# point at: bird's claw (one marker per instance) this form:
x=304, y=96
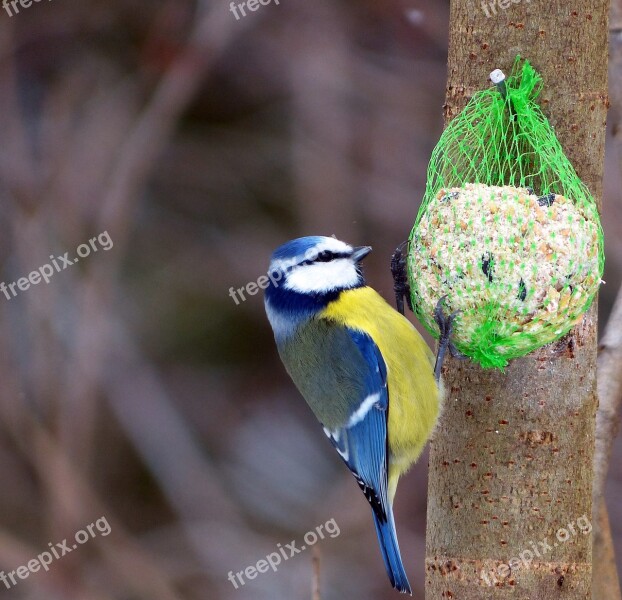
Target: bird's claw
x=445, y=326
x=400, y=279
x=455, y=353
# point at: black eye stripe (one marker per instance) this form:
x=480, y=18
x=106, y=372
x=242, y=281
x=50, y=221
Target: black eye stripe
x=325, y=256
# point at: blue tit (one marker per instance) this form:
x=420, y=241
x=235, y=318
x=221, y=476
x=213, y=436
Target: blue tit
x=366, y=373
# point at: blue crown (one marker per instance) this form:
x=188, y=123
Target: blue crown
x=297, y=247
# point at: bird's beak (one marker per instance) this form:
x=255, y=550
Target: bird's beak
x=360, y=252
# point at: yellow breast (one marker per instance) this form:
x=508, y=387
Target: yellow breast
x=413, y=391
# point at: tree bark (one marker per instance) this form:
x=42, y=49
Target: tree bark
x=606, y=582
x=605, y=574
x=510, y=489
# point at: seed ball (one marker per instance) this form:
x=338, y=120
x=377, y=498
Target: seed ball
x=520, y=268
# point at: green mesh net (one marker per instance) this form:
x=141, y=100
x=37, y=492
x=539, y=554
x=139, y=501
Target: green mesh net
x=506, y=230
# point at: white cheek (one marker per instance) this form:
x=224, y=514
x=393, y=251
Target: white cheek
x=323, y=277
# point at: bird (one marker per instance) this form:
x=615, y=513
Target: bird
x=364, y=370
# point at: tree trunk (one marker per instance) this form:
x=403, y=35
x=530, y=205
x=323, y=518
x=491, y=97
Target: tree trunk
x=511, y=462
x=606, y=583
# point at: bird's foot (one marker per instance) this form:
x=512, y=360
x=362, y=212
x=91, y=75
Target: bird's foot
x=445, y=325
x=400, y=278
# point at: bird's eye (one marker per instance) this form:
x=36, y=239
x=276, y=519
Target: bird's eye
x=325, y=256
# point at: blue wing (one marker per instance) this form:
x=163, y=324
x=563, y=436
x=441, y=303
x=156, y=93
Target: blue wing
x=362, y=441
x=343, y=377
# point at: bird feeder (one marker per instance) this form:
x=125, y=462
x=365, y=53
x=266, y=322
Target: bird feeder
x=507, y=232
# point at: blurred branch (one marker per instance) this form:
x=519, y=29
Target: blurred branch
x=315, y=594
x=609, y=381
x=165, y=442
x=609, y=395
x=606, y=583
x=214, y=31
x=17, y=166
x=606, y=580
x=80, y=502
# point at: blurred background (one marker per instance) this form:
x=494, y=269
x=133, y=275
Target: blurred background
x=132, y=385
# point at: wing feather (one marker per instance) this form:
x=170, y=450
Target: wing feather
x=343, y=377
x=362, y=441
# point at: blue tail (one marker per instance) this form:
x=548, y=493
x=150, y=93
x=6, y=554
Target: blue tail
x=387, y=537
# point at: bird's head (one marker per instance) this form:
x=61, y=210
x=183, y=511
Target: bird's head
x=318, y=265
x=307, y=273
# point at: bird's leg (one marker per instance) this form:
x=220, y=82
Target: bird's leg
x=400, y=278
x=445, y=324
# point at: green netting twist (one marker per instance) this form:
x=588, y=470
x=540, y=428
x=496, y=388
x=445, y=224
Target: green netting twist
x=506, y=230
